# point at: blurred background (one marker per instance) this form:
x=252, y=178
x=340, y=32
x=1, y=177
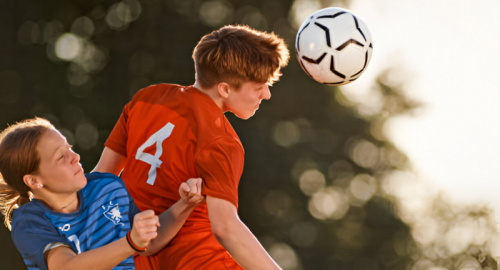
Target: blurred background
x=394, y=171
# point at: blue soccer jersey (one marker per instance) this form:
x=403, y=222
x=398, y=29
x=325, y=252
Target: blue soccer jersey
x=105, y=215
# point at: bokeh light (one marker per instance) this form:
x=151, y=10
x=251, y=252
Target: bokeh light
x=330, y=203
x=83, y=27
x=467, y=262
x=121, y=14
x=86, y=135
x=440, y=227
x=86, y=59
x=286, y=133
x=426, y=230
x=54, y=119
x=70, y=137
x=342, y=194
x=362, y=187
x=311, y=181
x=76, y=75
x=300, y=166
x=365, y=154
x=68, y=46
x=52, y=30
x=306, y=130
x=284, y=256
x=367, y=103
x=252, y=17
x=301, y=9
x=425, y=264
x=393, y=157
x=216, y=13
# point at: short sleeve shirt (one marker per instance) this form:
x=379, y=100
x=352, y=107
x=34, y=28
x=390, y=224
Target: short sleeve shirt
x=170, y=133
x=105, y=215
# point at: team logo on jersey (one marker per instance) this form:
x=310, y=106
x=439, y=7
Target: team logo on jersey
x=113, y=213
x=65, y=228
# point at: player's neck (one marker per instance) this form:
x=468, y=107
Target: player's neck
x=62, y=203
x=212, y=93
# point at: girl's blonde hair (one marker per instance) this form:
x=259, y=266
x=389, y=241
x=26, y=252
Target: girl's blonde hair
x=18, y=157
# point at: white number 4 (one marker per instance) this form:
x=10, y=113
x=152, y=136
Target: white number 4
x=154, y=161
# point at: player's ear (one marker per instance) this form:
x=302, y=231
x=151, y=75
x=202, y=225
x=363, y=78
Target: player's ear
x=223, y=89
x=32, y=182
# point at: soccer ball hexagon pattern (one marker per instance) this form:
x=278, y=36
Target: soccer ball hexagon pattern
x=333, y=46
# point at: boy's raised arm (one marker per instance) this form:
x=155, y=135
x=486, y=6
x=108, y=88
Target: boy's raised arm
x=235, y=237
x=110, y=162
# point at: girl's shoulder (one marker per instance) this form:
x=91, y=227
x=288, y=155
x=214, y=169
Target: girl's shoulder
x=99, y=184
x=93, y=176
x=102, y=180
x=33, y=211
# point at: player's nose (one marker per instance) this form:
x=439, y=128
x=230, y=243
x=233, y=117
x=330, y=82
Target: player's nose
x=266, y=93
x=76, y=158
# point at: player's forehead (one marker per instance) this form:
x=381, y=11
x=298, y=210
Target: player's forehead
x=253, y=85
x=50, y=142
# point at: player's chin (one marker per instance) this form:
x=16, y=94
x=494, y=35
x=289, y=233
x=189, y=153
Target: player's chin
x=81, y=180
x=245, y=115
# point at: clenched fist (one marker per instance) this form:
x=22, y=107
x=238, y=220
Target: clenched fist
x=190, y=191
x=145, y=228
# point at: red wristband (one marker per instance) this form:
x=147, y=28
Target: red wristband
x=131, y=243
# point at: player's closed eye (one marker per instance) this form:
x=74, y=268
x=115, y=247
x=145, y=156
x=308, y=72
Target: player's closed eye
x=69, y=148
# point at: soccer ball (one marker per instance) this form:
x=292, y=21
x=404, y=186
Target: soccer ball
x=333, y=46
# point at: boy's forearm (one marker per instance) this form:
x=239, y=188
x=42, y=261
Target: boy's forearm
x=235, y=237
x=244, y=247
x=171, y=222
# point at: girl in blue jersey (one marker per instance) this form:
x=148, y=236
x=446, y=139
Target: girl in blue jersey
x=64, y=219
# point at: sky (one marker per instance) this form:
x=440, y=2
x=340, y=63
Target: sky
x=449, y=53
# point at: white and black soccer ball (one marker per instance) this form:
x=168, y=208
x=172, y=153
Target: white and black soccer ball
x=333, y=46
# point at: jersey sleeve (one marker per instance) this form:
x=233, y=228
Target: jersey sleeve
x=31, y=234
x=220, y=164
x=117, y=140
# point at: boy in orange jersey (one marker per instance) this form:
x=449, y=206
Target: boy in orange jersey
x=169, y=133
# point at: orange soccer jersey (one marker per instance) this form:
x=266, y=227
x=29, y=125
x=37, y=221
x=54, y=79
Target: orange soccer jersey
x=170, y=133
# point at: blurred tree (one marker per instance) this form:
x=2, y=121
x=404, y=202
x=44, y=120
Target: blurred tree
x=316, y=161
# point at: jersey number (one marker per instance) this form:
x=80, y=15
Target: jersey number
x=154, y=161
x=76, y=241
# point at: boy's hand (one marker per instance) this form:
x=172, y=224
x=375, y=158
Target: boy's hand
x=190, y=191
x=144, y=229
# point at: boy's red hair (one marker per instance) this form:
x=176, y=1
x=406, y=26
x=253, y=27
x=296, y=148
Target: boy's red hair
x=237, y=54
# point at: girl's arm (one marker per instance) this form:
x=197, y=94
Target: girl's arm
x=172, y=220
x=110, y=255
